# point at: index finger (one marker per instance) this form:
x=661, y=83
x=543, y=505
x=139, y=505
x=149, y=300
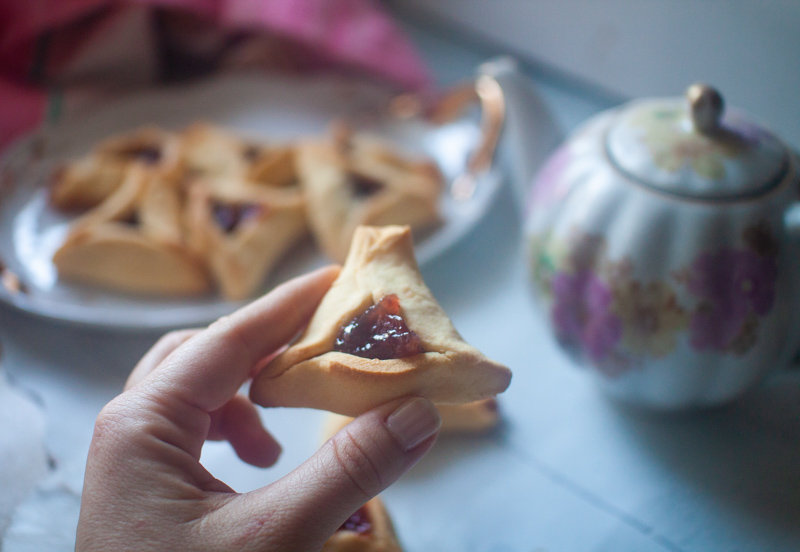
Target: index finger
x=208, y=369
x=157, y=353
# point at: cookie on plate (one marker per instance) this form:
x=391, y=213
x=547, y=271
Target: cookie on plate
x=272, y=166
x=133, y=242
x=369, y=529
x=89, y=180
x=472, y=418
x=241, y=230
x=207, y=151
x=352, y=180
x=378, y=334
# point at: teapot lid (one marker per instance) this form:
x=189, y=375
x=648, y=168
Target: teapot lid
x=687, y=148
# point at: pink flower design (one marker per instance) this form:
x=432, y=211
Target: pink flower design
x=732, y=284
x=582, y=316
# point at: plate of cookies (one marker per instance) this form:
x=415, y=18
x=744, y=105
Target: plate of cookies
x=173, y=207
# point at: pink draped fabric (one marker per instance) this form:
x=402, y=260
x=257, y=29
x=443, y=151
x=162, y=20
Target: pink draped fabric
x=42, y=40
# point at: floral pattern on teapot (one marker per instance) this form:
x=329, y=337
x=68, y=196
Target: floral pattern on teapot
x=735, y=287
x=600, y=311
x=671, y=149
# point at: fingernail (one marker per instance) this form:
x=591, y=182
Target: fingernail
x=414, y=421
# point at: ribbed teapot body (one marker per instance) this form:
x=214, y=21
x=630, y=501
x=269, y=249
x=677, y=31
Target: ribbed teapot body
x=669, y=301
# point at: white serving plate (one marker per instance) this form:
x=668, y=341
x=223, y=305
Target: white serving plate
x=273, y=108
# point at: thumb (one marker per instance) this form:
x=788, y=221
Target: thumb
x=356, y=464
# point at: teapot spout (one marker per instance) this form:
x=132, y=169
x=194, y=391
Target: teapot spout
x=530, y=132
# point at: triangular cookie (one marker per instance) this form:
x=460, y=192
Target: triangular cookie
x=472, y=418
x=441, y=366
x=133, y=242
x=475, y=418
x=208, y=151
x=86, y=182
x=351, y=180
x=369, y=529
x=273, y=166
x=242, y=230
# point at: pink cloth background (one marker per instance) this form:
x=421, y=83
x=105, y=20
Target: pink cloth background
x=42, y=42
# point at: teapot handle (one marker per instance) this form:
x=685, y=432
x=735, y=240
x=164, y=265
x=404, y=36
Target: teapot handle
x=792, y=215
x=493, y=116
x=792, y=219
x=530, y=133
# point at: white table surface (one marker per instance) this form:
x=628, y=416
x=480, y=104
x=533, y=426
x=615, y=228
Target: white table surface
x=568, y=471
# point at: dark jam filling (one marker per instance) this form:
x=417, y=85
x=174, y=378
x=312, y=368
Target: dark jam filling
x=358, y=522
x=251, y=153
x=379, y=333
x=131, y=219
x=229, y=216
x=149, y=155
x=363, y=186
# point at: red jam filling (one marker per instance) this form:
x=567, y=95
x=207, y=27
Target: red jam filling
x=364, y=186
x=251, y=153
x=379, y=333
x=131, y=219
x=230, y=215
x=358, y=522
x=149, y=155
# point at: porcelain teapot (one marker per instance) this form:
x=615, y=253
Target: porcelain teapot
x=664, y=249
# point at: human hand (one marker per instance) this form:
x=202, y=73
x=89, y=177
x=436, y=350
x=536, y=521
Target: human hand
x=145, y=488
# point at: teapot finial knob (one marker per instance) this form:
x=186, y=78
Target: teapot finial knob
x=706, y=106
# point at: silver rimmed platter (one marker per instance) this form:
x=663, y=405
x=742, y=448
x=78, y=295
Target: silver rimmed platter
x=263, y=107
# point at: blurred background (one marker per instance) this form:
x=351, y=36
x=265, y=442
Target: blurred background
x=644, y=48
